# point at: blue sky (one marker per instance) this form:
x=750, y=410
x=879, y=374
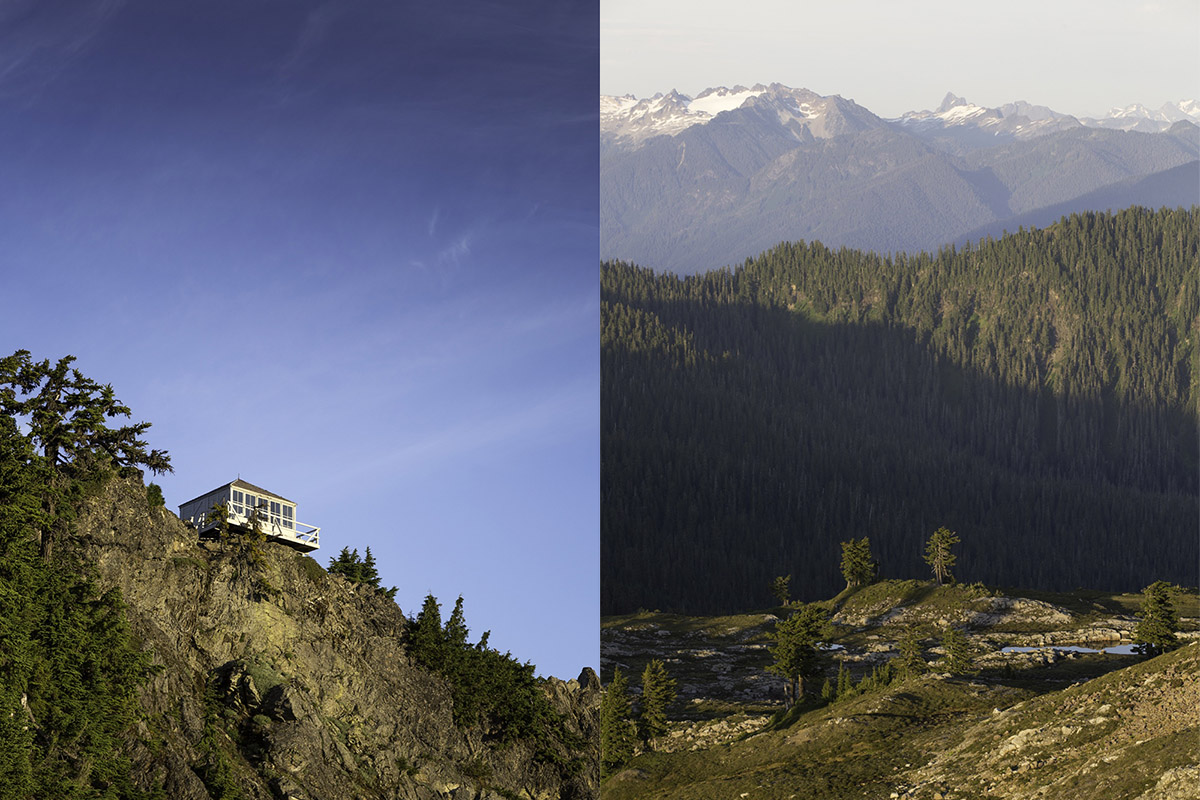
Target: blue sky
x=345, y=250
x=1080, y=57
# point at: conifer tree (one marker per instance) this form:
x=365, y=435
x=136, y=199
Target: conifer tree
x=658, y=692
x=425, y=635
x=858, y=567
x=1158, y=621
x=67, y=418
x=369, y=574
x=618, y=733
x=780, y=589
x=795, y=652
x=455, y=633
x=910, y=662
x=958, y=653
x=938, y=555
x=845, y=688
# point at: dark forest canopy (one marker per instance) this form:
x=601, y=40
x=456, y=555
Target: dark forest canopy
x=1037, y=394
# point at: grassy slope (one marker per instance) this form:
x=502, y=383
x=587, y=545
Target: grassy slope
x=1002, y=734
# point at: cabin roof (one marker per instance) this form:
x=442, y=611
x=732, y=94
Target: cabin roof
x=241, y=484
x=250, y=487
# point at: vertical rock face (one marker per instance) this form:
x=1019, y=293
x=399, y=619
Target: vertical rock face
x=281, y=681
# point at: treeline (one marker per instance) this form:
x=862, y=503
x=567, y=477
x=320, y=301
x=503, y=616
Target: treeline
x=1037, y=393
x=69, y=665
x=492, y=690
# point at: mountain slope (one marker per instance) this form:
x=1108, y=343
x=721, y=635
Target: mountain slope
x=1037, y=394
x=279, y=680
x=1044, y=723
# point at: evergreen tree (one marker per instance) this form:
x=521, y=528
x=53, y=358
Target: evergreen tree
x=938, y=555
x=1158, y=621
x=425, y=637
x=845, y=687
x=958, y=653
x=795, y=651
x=780, y=589
x=349, y=565
x=455, y=633
x=910, y=662
x=658, y=692
x=858, y=567
x=69, y=664
x=618, y=733
x=67, y=417
x=369, y=574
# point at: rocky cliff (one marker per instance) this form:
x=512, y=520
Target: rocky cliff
x=278, y=680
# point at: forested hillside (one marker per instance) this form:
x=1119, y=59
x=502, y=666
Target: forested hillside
x=1037, y=394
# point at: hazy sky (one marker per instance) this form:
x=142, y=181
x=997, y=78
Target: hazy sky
x=1079, y=57
x=345, y=250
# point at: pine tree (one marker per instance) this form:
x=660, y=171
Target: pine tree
x=369, y=574
x=845, y=688
x=910, y=662
x=359, y=570
x=780, y=589
x=425, y=637
x=958, y=653
x=455, y=633
x=858, y=567
x=1155, y=631
x=658, y=692
x=67, y=418
x=795, y=652
x=618, y=733
x=938, y=555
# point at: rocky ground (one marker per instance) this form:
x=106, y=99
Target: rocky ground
x=277, y=680
x=1045, y=723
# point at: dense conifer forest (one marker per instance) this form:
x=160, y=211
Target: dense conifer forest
x=1037, y=394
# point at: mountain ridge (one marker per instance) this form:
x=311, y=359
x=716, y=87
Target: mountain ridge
x=669, y=113
x=691, y=191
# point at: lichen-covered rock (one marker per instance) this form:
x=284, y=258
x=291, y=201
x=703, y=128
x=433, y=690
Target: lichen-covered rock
x=295, y=682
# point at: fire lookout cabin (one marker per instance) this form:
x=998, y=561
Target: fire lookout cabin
x=276, y=515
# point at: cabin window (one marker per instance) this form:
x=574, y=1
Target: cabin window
x=238, y=499
x=288, y=511
x=275, y=518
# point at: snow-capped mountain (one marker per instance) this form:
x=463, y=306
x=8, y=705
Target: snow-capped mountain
x=692, y=183
x=628, y=121
x=956, y=117
x=1138, y=117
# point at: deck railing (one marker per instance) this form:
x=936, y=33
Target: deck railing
x=308, y=536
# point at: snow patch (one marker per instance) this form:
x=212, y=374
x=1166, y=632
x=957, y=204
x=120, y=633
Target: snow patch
x=714, y=101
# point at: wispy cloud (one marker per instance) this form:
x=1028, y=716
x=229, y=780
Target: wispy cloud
x=315, y=30
x=457, y=250
x=36, y=46
x=433, y=220
x=522, y=425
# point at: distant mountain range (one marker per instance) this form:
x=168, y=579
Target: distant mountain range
x=694, y=183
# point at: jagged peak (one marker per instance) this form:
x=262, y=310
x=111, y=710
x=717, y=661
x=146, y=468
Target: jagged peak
x=950, y=101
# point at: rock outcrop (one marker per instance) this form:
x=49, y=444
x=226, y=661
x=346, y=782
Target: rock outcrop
x=279, y=680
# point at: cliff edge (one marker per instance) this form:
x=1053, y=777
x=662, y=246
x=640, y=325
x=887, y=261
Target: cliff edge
x=278, y=680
